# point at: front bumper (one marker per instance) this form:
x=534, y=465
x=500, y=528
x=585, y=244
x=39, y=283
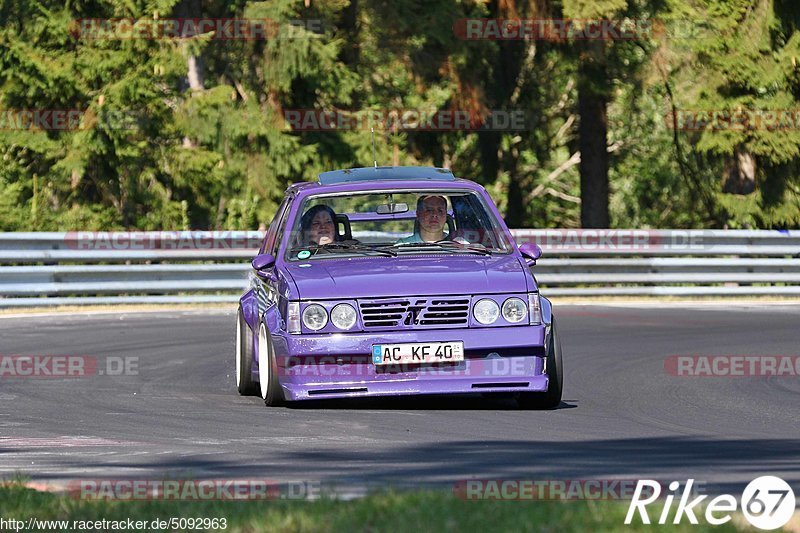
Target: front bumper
x=509, y=359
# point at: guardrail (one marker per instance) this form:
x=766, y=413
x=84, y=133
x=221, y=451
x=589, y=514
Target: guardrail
x=183, y=267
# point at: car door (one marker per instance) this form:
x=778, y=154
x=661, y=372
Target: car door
x=266, y=287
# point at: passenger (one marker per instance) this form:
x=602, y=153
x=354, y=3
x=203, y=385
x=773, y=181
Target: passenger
x=430, y=222
x=318, y=226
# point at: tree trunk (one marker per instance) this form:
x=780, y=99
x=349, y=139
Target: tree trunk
x=740, y=174
x=195, y=72
x=194, y=65
x=593, y=132
x=515, y=210
x=489, y=146
x=187, y=9
x=351, y=53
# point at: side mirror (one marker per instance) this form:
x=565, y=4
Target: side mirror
x=261, y=262
x=531, y=252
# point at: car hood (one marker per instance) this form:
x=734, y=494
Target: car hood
x=375, y=277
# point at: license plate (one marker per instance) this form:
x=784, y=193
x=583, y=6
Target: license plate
x=417, y=352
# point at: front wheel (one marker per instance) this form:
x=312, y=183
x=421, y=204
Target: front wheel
x=244, y=357
x=271, y=391
x=551, y=398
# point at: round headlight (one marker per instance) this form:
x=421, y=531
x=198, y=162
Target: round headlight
x=514, y=310
x=343, y=316
x=315, y=317
x=486, y=311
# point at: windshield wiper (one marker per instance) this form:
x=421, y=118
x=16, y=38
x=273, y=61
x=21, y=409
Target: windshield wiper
x=467, y=246
x=447, y=245
x=334, y=247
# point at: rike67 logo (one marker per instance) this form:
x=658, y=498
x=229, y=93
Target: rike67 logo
x=767, y=502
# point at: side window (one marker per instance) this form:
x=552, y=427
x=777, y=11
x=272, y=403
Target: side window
x=269, y=239
x=281, y=224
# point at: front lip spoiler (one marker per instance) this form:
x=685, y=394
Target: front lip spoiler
x=463, y=385
x=512, y=374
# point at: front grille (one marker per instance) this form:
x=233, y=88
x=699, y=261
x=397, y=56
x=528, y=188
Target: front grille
x=414, y=312
x=385, y=313
x=446, y=312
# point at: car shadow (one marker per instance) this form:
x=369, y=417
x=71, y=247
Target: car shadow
x=455, y=402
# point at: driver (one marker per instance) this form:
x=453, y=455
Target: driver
x=318, y=226
x=431, y=218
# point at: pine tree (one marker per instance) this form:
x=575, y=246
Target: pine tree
x=741, y=82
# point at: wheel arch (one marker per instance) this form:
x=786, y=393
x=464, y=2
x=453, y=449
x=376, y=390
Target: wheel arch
x=249, y=305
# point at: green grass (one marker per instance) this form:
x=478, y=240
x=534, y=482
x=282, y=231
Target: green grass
x=416, y=511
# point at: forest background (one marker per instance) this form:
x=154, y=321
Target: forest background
x=690, y=120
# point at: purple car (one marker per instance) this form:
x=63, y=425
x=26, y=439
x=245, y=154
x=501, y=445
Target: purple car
x=394, y=281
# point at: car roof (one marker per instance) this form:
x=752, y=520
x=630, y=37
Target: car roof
x=385, y=173
x=391, y=177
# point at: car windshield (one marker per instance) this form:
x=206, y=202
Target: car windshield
x=394, y=223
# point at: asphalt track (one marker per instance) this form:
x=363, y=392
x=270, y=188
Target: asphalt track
x=623, y=415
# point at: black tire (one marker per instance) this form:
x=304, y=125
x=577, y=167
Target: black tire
x=244, y=358
x=271, y=391
x=551, y=398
